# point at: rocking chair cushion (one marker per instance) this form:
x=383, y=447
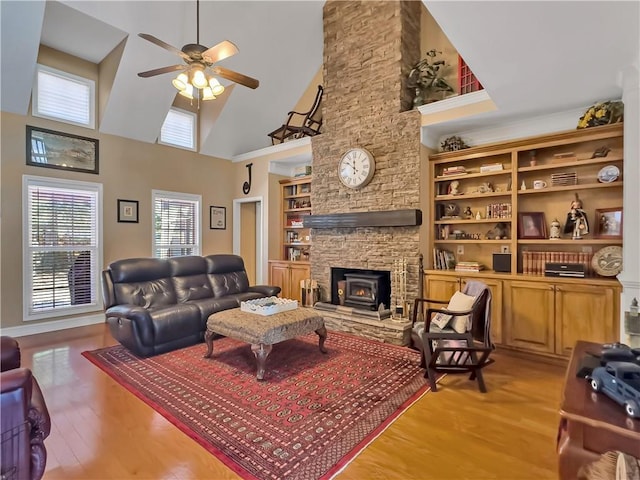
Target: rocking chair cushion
x=459, y=302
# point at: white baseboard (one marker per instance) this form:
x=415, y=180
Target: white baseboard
x=53, y=326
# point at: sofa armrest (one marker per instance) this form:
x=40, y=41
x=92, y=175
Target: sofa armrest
x=266, y=290
x=137, y=315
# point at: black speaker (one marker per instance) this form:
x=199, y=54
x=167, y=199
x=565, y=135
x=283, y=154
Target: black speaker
x=502, y=262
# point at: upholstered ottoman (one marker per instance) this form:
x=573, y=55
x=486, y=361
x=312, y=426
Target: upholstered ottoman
x=262, y=332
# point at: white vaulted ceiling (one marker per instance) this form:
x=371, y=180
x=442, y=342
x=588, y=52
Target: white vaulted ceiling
x=533, y=58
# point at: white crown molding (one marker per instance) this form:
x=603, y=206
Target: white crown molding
x=274, y=150
x=54, y=326
x=451, y=103
x=510, y=130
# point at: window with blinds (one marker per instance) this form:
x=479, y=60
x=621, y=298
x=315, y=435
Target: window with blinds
x=176, y=224
x=179, y=129
x=64, y=97
x=62, y=257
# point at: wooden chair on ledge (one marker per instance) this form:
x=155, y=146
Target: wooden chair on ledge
x=300, y=124
x=456, y=339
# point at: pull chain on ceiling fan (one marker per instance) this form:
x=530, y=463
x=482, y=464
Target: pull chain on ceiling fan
x=198, y=75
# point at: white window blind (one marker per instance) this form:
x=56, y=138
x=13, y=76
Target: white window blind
x=179, y=129
x=62, y=248
x=176, y=224
x=64, y=97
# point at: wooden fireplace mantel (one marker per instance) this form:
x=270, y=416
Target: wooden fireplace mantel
x=387, y=218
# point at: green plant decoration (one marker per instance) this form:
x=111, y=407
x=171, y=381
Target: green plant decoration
x=426, y=78
x=602, y=114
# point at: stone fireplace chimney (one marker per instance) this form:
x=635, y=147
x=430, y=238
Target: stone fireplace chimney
x=369, y=48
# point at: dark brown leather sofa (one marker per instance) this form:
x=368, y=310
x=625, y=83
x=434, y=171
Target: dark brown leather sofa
x=156, y=305
x=24, y=417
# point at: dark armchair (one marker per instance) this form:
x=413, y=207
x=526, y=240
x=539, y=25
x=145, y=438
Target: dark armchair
x=25, y=421
x=300, y=124
x=456, y=339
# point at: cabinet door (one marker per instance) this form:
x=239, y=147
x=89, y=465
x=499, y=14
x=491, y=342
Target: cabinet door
x=441, y=287
x=279, y=276
x=496, y=306
x=585, y=312
x=529, y=316
x=297, y=274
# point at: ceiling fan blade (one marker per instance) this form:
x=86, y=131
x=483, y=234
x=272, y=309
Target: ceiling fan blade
x=219, y=52
x=235, y=77
x=160, y=71
x=164, y=45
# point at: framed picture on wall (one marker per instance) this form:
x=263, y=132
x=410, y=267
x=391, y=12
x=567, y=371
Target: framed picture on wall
x=127, y=211
x=50, y=149
x=217, y=218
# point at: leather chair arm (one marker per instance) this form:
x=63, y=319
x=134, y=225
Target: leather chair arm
x=16, y=379
x=267, y=290
x=9, y=353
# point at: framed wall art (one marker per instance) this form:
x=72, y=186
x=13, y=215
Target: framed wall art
x=217, y=218
x=609, y=223
x=127, y=211
x=50, y=149
x=531, y=225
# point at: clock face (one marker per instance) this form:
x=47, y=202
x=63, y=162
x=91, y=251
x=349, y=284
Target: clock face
x=356, y=168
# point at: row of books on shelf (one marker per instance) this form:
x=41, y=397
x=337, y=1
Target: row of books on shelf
x=443, y=259
x=533, y=263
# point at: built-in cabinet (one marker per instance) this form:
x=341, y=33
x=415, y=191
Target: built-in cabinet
x=482, y=199
x=295, y=240
x=443, y=287
x=287, y=275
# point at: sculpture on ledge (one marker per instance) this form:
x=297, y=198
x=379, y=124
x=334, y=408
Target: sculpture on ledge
x=577, y=223
x=426, y=77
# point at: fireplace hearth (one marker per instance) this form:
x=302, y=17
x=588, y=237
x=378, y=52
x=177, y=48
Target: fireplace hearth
x=363, y=289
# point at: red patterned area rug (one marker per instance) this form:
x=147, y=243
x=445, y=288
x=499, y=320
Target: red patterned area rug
x=309, y=418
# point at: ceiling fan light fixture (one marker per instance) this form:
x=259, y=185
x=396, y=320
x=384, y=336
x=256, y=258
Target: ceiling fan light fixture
x=216, y=87
x=180, y=82
x=199, y=80
x=187, y=92
x=207, y=94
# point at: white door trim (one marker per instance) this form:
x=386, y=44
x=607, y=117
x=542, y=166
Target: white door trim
x=261, y=236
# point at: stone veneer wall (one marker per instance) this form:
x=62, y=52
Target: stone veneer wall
x=369, y=48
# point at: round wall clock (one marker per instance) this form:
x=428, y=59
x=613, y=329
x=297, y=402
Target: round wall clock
x=356, y=168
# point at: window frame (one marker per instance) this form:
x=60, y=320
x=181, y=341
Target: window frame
x=188, y=197
x=35, y=112
x=194, y=129
x=27, y=272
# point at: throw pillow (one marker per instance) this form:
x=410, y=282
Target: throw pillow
x=459, y=302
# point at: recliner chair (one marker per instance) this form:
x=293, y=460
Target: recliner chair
x=25, y=421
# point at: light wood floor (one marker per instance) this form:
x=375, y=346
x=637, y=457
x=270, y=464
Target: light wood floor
x=101, y=431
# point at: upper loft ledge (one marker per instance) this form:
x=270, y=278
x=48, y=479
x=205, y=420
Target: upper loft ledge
x=388, y=218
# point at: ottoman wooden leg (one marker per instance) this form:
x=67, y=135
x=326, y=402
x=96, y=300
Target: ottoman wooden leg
x=261, y=351
x=322, y=336
x=208, y=338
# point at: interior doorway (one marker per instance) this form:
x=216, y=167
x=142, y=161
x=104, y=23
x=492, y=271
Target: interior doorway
x=248, y=237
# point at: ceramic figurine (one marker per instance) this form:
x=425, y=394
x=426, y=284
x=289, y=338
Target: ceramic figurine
x=554, y=231
x=478, y=216
x=577, y=223
x=523, y=186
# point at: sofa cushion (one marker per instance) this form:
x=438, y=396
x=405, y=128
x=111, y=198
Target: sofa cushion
x=150, y=294
x=227, y=274
x=207, y=306
x=175, y=321
x=190, y=279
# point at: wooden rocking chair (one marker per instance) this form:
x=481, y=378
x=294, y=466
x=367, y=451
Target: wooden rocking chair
x=295, y=128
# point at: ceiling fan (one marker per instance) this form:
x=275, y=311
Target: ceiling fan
x=199, y=61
